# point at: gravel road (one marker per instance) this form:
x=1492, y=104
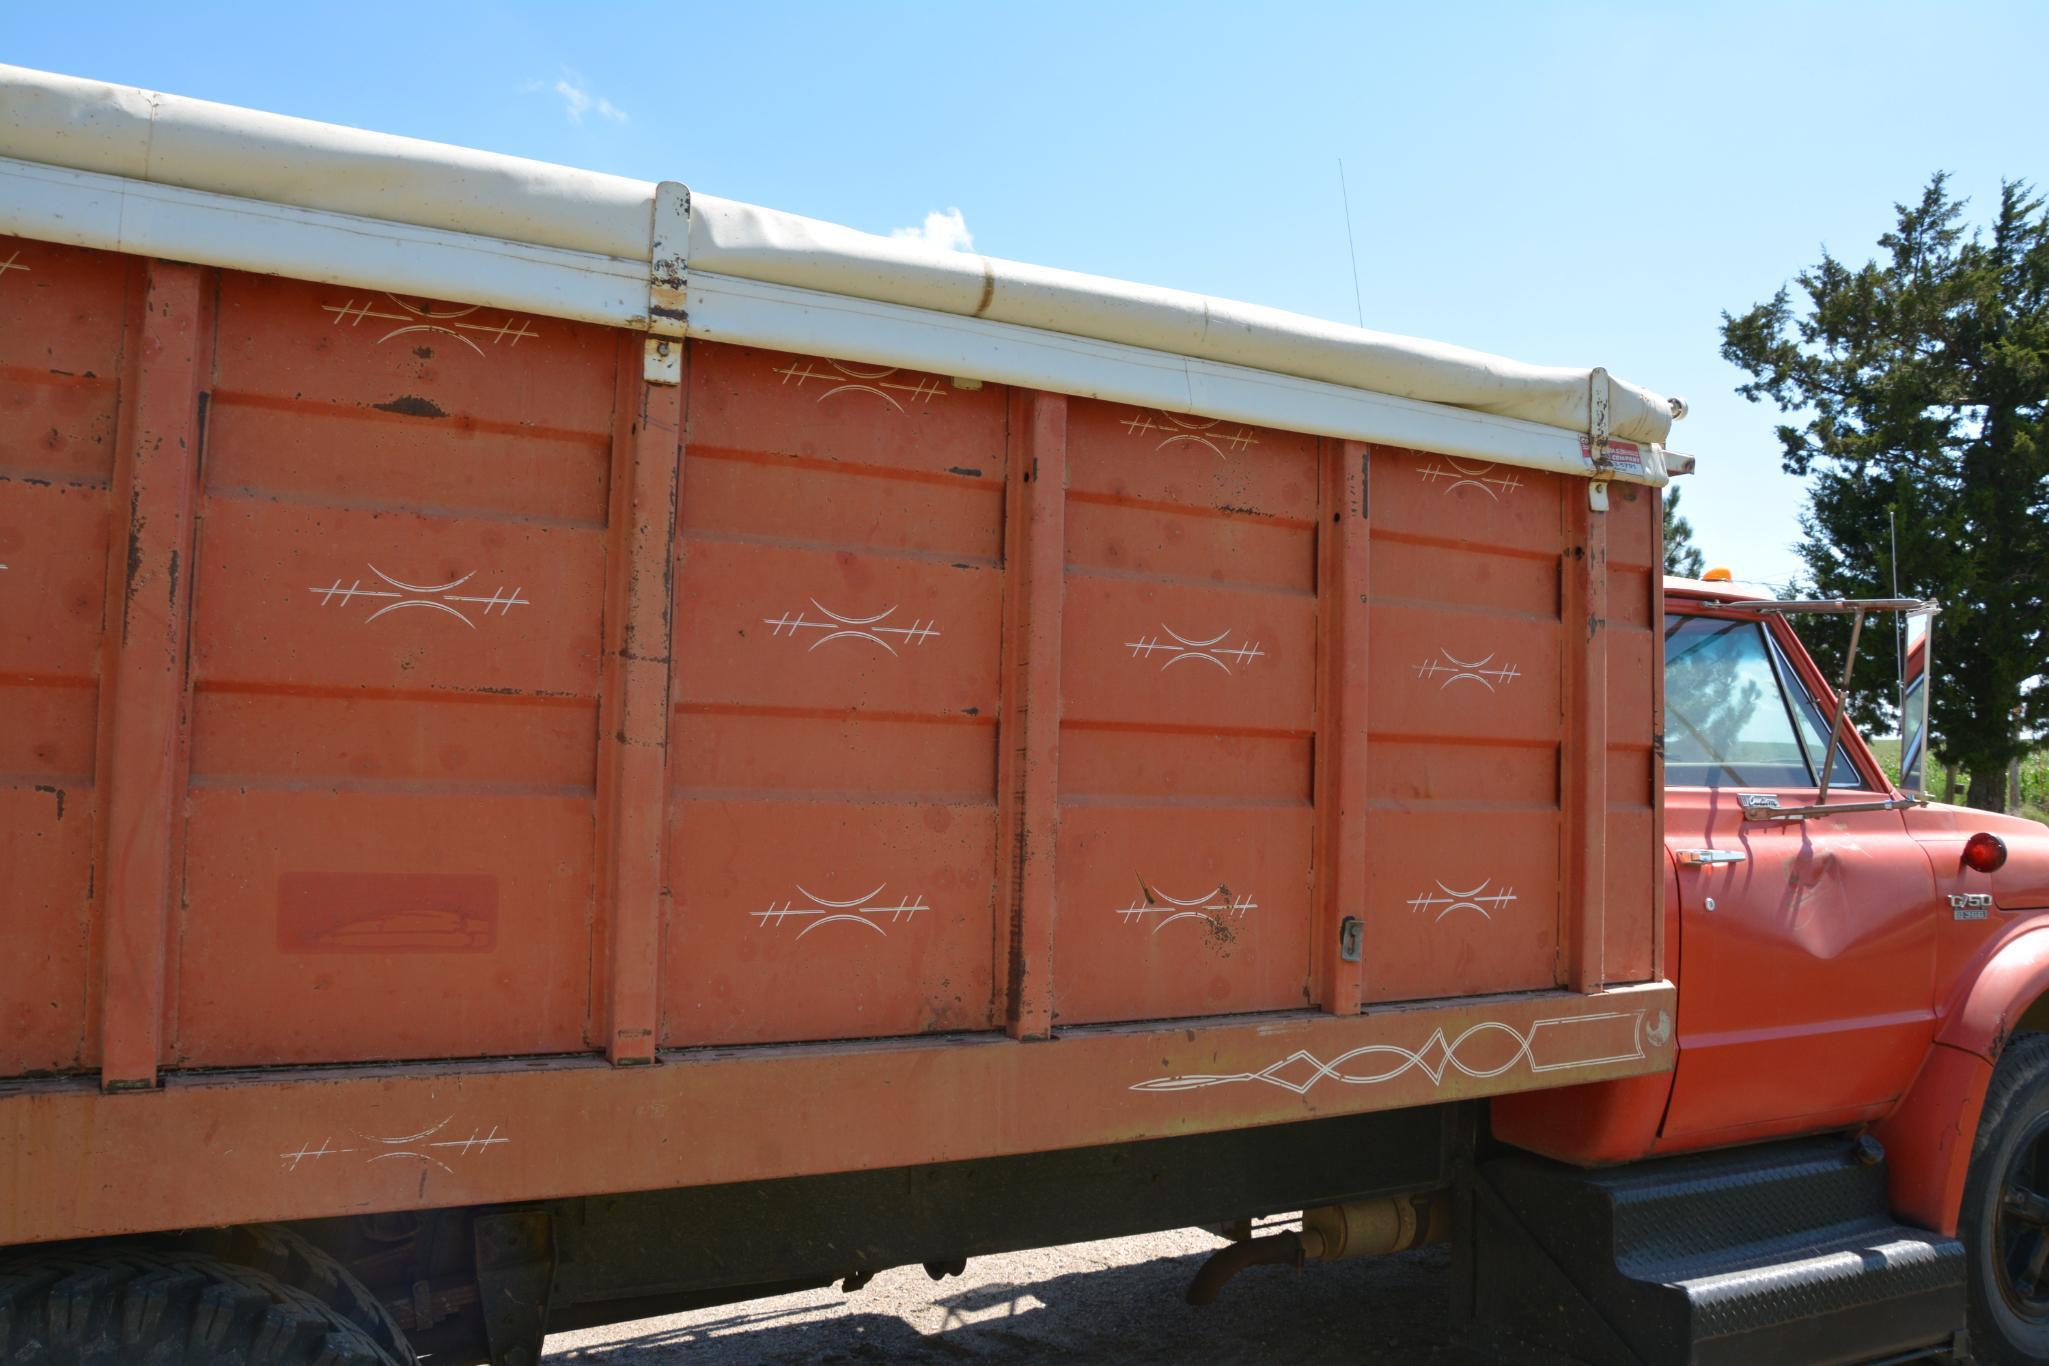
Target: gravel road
x=1113, y=1301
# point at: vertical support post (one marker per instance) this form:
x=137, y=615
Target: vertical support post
x=1028, y=726
x=1584, y=759
x=633, y=709
x=1656, y=796
x=1343, y=591
x=143, y=695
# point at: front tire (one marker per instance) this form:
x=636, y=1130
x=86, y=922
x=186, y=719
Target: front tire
x=2005, y=1218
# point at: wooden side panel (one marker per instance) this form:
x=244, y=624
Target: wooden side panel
x=833, y=855
x=400, y=589
x=1505, y=853
x=62, y=312
x=469, y=717
x=1463, y=841
x=1185, y=869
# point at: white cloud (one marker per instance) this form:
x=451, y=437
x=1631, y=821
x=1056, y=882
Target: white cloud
x=948, y=231
x=577, y=100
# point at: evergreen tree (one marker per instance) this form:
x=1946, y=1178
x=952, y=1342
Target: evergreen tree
x=1682, y=556
x=1920, y=381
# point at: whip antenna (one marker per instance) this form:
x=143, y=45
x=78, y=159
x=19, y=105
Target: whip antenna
x=1351, y=242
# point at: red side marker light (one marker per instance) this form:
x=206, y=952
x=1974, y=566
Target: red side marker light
x=1985, y=852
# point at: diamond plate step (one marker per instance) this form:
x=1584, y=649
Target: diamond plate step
x=1783, y=1252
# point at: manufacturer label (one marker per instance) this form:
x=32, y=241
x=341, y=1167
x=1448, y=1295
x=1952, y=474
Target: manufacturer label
x=1624, y=457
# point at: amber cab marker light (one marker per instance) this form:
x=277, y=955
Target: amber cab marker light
x=1985, y=852
x=1717, y=575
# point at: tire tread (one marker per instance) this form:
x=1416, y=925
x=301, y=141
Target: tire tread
x=2021, y=1078
x=132, y=1303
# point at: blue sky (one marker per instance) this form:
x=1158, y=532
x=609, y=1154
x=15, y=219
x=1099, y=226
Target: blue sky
x=1579, y=184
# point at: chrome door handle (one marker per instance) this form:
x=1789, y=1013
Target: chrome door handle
x=1701, y=858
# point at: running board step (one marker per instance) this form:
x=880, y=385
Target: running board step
x=1779, y=1253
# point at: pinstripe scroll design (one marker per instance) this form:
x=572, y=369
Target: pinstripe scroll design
x=1437, y=1058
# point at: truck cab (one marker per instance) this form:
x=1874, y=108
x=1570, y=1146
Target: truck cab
x=1819, y=955
x=1807, y=947
x=1852, y=959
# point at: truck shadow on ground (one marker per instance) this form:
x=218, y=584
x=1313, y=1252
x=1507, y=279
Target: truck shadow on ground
x=1384, y=1310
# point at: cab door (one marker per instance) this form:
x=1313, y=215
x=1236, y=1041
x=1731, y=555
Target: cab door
x=1807, y=947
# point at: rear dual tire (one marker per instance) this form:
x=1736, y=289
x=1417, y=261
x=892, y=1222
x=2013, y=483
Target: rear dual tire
x=140, y=1306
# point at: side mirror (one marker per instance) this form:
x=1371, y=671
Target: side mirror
x=1916, y=658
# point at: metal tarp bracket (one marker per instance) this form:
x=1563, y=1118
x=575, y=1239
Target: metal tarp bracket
x=668, y=270
x=1599, y=456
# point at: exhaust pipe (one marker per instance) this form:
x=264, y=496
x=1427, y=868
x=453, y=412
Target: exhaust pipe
x=1282, y=1249
x=1332, y=1233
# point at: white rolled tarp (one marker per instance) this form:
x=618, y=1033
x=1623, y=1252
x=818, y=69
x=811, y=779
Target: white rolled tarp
x=220, y=149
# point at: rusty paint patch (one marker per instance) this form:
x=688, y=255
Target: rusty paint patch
x=411, y=405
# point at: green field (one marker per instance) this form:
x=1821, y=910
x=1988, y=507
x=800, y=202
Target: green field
x=2034, y=793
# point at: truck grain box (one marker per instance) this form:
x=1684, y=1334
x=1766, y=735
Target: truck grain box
x=571, y=749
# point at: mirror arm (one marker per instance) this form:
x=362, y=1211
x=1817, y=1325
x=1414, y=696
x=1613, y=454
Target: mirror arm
x=1835, y=729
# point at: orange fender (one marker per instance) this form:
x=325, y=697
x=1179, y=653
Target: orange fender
x=1929, y=1134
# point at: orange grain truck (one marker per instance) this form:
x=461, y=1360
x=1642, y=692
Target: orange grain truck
x=571, y=749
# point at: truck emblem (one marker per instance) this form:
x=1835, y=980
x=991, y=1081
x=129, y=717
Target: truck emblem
x=1302, y=1070
x=423, y=1147
x=1969, y=905
x=1456, y=670
x=425, y=317
x=436, y=596
x=838, y=627
x=1471, y=474
x=1215, y=906
x=863, y=379
x=1205, y=432
x=1180, y=649
x=1478, y=899
x=824, y=911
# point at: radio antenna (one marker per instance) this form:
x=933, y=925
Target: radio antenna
x=1351, y=243
x=1892, y=521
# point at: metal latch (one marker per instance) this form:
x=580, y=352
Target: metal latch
x=1701, y=858
x=1969, y=905
x=1351, y=931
